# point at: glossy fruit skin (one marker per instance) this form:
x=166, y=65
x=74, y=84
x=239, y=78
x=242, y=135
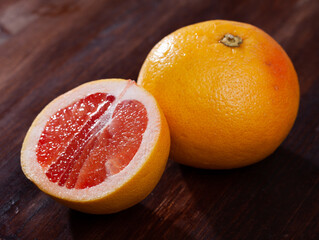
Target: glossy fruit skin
x=226, y=107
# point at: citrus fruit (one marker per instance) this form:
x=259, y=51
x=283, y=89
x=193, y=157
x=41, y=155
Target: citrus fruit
x=99, y=148
x=229, y=92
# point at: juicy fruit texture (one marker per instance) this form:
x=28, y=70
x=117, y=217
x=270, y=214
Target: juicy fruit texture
x=226, y=106
x=99, y=148
x=78, y=149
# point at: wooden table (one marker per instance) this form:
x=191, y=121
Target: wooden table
x=49, y=47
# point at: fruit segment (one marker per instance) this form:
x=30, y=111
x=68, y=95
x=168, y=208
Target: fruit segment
x=86, y=142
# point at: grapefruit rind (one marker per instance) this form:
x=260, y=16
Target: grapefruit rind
x=246, y=98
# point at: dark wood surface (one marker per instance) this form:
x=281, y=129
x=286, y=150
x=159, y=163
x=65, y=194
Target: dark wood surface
x=48, y=47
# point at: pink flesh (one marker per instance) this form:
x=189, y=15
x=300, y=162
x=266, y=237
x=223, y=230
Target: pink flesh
x=80, y=146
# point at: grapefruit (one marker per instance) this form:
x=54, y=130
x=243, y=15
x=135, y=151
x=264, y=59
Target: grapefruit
x=99, y=148
x=229, y=92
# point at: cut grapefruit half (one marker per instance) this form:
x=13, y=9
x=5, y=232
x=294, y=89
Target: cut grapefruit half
x=99, y=148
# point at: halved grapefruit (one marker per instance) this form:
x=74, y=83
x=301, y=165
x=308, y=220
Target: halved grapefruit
x=99, y=148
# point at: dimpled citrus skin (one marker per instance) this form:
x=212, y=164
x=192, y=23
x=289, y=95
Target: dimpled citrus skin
x=226, y=107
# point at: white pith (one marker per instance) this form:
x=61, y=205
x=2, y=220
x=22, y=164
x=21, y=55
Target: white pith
x=34, y=171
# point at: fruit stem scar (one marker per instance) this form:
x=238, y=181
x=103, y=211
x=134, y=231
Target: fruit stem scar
x=230, y=40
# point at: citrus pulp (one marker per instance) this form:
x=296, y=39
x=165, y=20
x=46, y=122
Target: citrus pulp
x=100, y=148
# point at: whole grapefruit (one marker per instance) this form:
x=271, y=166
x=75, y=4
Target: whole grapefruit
x=228, y=90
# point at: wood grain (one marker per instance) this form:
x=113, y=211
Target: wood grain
x=49, y=47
